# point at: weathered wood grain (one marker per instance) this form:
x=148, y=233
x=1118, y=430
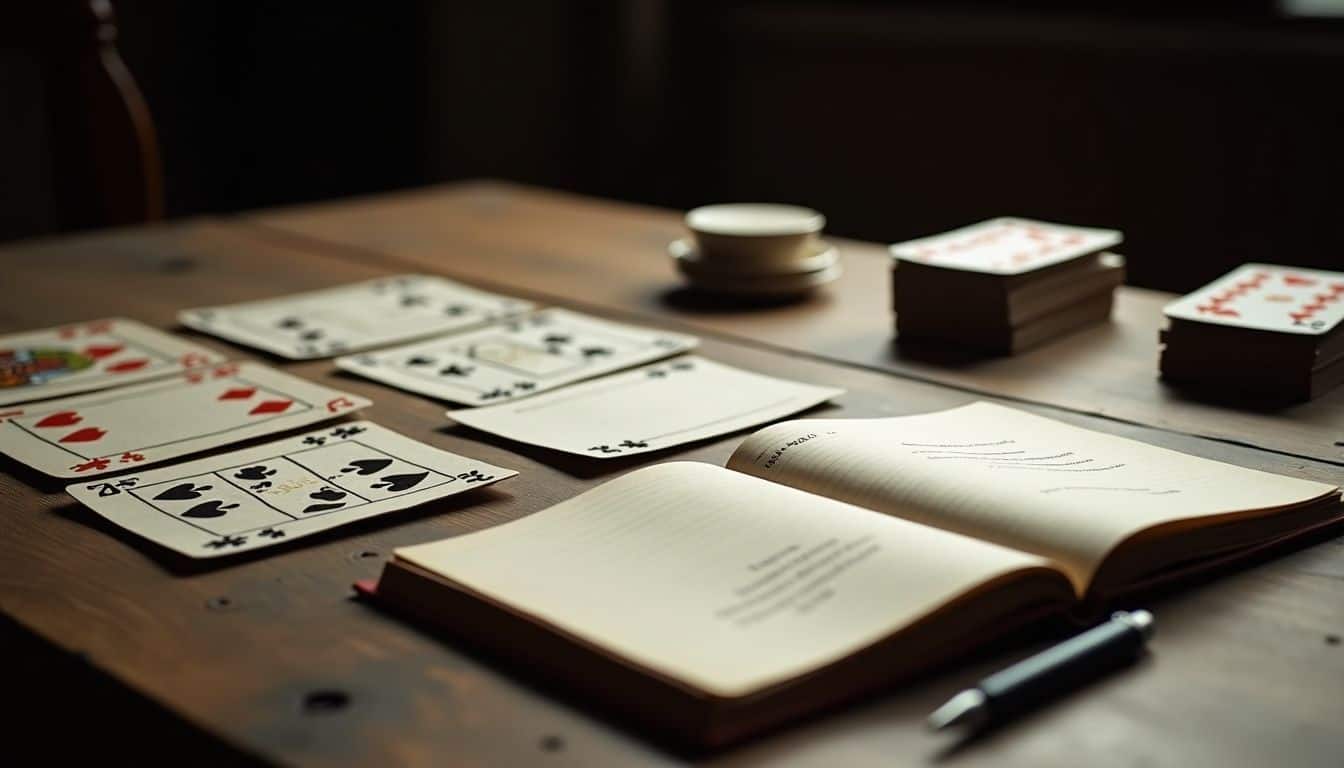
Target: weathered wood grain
x=614, y=256
x=261, y=651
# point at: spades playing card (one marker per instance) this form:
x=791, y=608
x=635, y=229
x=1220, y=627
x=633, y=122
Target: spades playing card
x=138, y=425
x=353, y=317
x=282, y=490
x=516, y=358
x=82, y=357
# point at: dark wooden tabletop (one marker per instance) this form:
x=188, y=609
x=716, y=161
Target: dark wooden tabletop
x=273, y=657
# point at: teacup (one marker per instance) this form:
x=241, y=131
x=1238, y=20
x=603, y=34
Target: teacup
x=755, y=233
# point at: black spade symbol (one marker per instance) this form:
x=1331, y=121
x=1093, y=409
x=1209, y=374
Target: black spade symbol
x=420, y=360
x=327, y=494
x=367, y=466
x=290, y=322
x=208, y=509
x=258, y=472
x=398, y=483
x=183, y=492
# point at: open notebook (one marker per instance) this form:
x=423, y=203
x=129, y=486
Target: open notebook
x=833, y=556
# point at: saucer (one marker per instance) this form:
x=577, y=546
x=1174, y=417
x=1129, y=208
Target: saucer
x=821, y=256
x=769, y=284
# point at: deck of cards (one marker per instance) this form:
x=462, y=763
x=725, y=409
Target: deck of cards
x=1262, y=332
x=1004, y=285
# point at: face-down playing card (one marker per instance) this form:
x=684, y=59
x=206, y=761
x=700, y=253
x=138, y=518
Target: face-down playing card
x=282, y=490
x=82, y=357
x=139, y=425
x=648, y=409
x=1269, y=298
x=516, y=358
x=353, y=317
x=1006, y=246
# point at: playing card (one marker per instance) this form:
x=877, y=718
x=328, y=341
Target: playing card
x=1006, y=246
x=82, y=357
x=363, y=315
x=1268, y=298
x=516, y=358
x=283, y=490
x=112, y=431
x=658, y=406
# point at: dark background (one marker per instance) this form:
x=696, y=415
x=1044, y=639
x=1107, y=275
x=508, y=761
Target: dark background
x=1212, y=133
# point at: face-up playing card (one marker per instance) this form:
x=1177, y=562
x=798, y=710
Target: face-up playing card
x=363, y=315
x=282, y=490
x=516, y=358
x=139, y=425
x=647, y=409
x=82, y=357
x=1006, y=246
x=1268, y=298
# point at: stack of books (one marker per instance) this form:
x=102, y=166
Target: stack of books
x=1004, y=285
x=1262, y=332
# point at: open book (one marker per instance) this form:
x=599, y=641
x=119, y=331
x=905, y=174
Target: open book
x=833, y=556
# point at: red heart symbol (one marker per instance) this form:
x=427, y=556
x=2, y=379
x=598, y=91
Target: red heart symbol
x=1295, y=280
x=239, y=393
x=271, y=406
x=129, y=365
x=99, y=351
x=85, y=435
x=62, y=419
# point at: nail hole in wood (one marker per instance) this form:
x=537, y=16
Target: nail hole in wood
x=552, y=743
x=325, y=702
x=218, y=603
x=1332, y=639
x=368, y=553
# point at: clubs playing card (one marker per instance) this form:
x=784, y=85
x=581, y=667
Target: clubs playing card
x=112, y=431
x=1006, y=246
x=283, y=490
x=82, y=357
x=364, y=315
x=516, y=358
x=658, y=406
x=1268, y=298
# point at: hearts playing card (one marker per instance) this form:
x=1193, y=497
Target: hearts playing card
x=516, y=358
x=82, y=357
x=283, y=490
x=353, y=317
x=132, y=426
x=1006, y=246
x=648, y=409
x=1268, y=298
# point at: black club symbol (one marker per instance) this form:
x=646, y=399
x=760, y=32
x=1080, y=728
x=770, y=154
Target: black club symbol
x=344, y=432
x=475, y=476
x=657, y=373
x=271, y=533
x=455, y=310
x=314, y=440
x=495, y=394
x=633, y=444
x=605, y=449
x=226, y=541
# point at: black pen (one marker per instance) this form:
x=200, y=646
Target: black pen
x=1032, y=680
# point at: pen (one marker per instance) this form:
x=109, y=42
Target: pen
x=1032, y=680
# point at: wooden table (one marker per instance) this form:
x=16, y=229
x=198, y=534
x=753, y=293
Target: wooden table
x=271, y=657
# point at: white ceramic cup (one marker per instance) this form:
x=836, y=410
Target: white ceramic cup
x=754, y=233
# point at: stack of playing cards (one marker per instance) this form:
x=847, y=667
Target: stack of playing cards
x=1261, y=331
x=1004, y=285
x=755, y=249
